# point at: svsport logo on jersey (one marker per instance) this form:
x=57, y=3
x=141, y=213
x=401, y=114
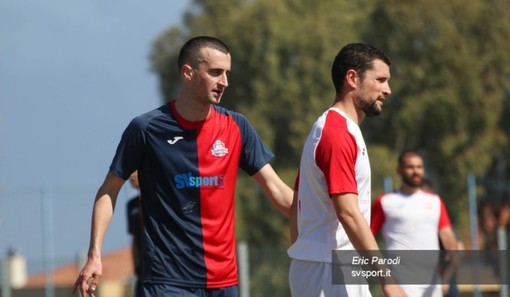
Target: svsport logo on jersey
x=187, y=180
x=219, y=149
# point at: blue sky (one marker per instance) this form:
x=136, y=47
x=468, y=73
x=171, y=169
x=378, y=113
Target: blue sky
x=72, y=76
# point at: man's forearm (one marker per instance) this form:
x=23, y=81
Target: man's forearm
x=103, y=209
x=101, y=217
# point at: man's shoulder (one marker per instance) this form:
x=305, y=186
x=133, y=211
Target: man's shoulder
x=142, y=121
x=163, y=110
x=381, y=197
x=238, y=118
x=333, y=127
x=228, y=112
x=425, y=194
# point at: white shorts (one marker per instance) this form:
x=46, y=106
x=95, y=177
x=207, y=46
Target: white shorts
x=314, y=279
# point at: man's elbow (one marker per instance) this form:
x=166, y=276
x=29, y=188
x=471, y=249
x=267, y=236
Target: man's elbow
x=285, y=209
x=346, y=217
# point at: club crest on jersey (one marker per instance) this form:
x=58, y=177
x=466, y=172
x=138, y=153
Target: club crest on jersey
x=219, y=149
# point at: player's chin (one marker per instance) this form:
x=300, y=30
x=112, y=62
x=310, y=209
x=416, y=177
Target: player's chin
x=373, y=110
x=215, y=98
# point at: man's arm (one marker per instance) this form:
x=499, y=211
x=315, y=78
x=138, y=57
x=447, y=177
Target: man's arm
x=104, y=206
x=451, y=244
x=276, y=190
x=293, y=218
x=448, y=238
x=359, y=233
x=353, y=222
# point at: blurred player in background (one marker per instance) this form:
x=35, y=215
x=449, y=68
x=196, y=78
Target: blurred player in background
x=135, y=229
x=411, y=218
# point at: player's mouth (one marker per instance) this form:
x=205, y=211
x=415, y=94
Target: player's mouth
x=217, y=93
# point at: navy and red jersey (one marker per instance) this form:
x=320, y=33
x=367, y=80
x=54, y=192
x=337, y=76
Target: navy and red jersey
x=187, y=173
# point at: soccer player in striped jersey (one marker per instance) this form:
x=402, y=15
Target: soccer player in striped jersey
x=187, y=154
x=331, y=207
x=412, y=218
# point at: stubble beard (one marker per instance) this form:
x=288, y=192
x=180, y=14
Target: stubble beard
x=371, y=109
x=409, y=181
x=369, y=106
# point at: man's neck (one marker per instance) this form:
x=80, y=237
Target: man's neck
x=409, y=190
x=345, y=103
x=191, y=110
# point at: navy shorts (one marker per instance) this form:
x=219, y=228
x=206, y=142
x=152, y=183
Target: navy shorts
x=165, y=290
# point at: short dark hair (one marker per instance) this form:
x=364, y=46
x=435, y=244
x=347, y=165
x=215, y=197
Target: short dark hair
x=356, y=56
x=190, y=51
x=407, y=153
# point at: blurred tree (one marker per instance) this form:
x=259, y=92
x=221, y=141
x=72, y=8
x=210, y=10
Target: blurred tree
x=281, y=57
x=451, y=71
x=282, y=53
x=383, y=162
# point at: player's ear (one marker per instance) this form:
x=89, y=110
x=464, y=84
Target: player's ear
x=187, y=71
x=352, y=78
x=399, y=170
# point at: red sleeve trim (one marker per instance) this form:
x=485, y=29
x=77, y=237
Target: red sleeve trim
x=377, y=216
x=444, y=219
x=336, y=155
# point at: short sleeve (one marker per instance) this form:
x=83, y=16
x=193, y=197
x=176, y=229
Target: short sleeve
x=336, y=156
x=377, y=216
x=130, y=150
x=444, y=219
x=254, y=153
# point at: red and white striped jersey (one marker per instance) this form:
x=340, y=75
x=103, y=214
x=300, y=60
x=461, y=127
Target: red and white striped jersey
x=334, y=161
x=409, y=222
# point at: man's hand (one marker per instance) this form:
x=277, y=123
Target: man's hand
x=89, y=277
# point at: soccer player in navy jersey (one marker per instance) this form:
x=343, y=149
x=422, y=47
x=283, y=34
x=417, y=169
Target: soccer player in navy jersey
x=187, y=154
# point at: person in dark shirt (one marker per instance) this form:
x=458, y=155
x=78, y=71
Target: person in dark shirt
x=187, y=153
x=135, y=229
